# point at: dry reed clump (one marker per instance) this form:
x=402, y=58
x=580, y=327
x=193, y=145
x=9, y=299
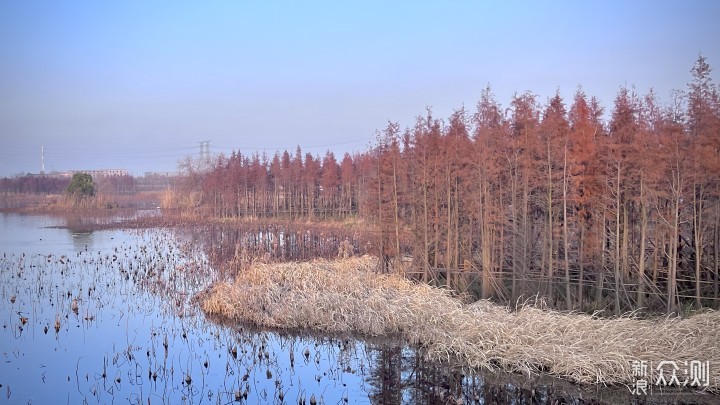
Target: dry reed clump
x=348, y=296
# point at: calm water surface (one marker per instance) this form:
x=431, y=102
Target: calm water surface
x=106, y=316
x=109, y=317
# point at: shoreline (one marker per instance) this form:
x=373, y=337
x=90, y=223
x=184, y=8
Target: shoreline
x=348, y=296
x=168, y=217
x=430, y=330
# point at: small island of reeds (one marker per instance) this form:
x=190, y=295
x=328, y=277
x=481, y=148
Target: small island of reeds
x=349, y=296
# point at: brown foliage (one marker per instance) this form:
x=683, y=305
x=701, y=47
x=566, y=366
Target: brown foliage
x=519, y=194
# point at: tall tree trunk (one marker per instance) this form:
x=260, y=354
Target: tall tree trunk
x=276, y=201
x=625, y=258
x=716, y=255
x=448, y=235
x=288, y=196
x=641, y=261
x=436, y=229
x=672, y=270
x=600, y=285
x=566, y=244
x=396, y=210
x=426, y=241
x=456, y=248
x=617, y=241
x=550, y=229
x=698, y=195
x=581, y=267
x=515, y=258
x=527, y=230
x=486, y=240
x=501, y=245
x=381, y=225
x=658, y=253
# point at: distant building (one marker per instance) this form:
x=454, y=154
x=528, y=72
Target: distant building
x=103, y=172
x=93, y=173
x=52, y=175
x=157, y=181
x=162, y=174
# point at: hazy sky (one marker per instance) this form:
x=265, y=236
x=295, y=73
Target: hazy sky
x=138, y=84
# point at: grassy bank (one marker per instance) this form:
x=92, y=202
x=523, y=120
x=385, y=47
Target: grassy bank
x=61, y=203
x=347, y=296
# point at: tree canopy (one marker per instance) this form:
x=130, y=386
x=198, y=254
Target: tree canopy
x=623, y=213
x=81, y=185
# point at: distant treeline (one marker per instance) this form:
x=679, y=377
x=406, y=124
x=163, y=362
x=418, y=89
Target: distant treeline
x=622, y=213
x=106, y=185
x=33, y=184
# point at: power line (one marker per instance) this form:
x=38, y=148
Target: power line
x=292, y=147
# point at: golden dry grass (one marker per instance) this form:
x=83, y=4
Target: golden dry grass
x=348, y=296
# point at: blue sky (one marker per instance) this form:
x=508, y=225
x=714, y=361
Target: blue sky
x=138, y=84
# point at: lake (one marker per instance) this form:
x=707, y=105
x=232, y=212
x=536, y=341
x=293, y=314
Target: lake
x=109, y=317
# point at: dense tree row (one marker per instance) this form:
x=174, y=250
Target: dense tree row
x=116, y=185
x=33, y=184
x=41, y=184
x=287, y=186
x=547, y=199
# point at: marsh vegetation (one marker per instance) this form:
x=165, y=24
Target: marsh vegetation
x=109, y=315
x=348, y=296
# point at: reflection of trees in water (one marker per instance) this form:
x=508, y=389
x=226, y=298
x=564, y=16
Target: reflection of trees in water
x=79, y=229
x=394, y=374
x=386, y=375
x=400, y=375
x=290, y=242
x=404, y=376
x=75, y=223
x=85, y=222
x=82, y=240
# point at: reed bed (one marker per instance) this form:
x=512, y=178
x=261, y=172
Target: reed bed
x=348, y=296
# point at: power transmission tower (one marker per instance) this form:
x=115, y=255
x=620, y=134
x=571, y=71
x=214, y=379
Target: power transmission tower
x=205, y=150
